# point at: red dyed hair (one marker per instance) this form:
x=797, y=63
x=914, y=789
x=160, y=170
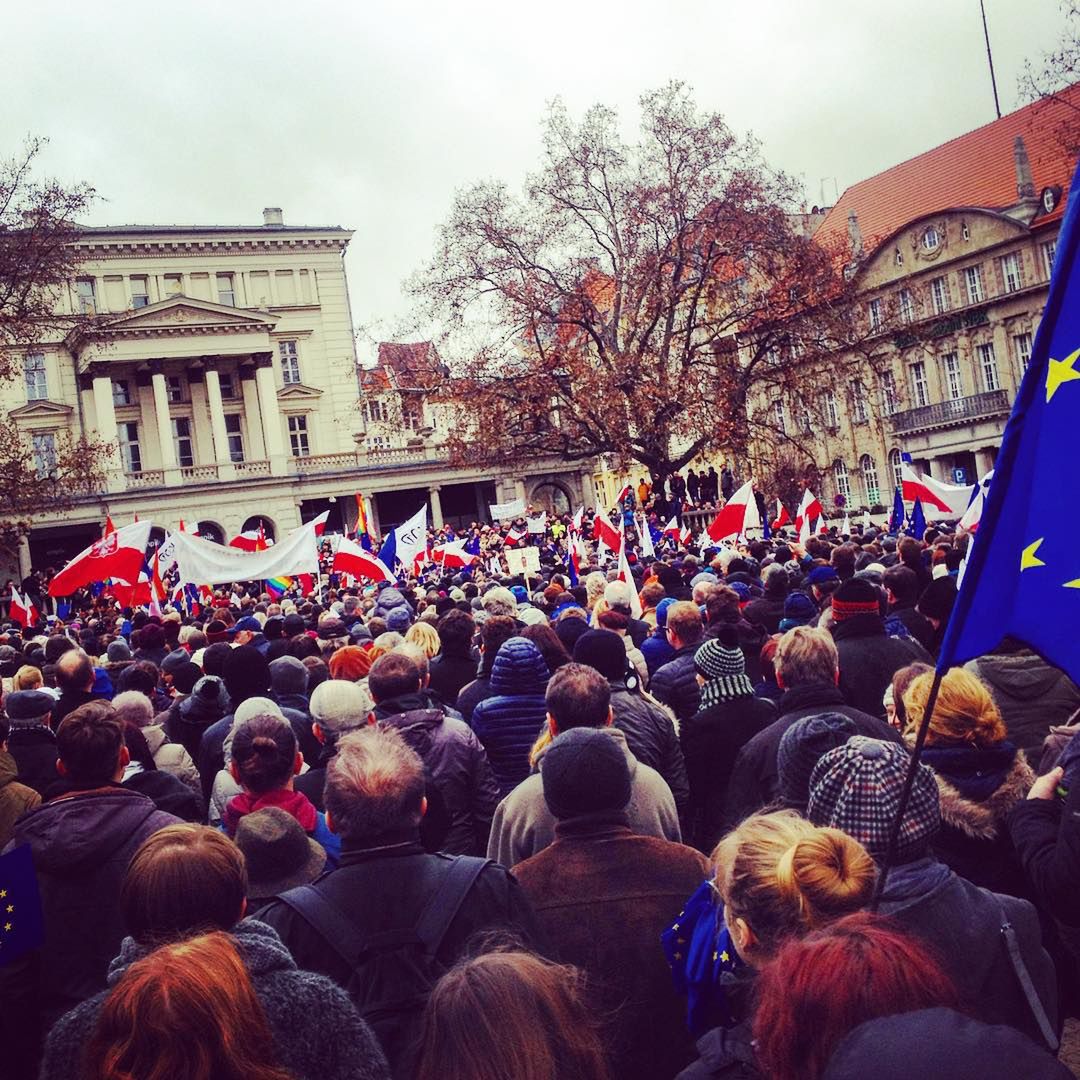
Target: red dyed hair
x=350, y=663
x=187, y=1010
x=820, y=988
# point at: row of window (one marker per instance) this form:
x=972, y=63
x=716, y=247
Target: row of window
x=908, y=308
x=117, y=293
x=377, y=410
x=183, y=442
x=987, y=379
x=871, y=487
x=37, y=381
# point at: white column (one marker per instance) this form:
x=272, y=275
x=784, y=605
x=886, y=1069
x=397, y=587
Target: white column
x=164, y=426
x=271, y=419
x=105, y=412
x=984, y=462
x=938, y=471
x=436, y=507
x=226, y=470
x=25, y=564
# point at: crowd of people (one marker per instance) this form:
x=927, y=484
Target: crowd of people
x=481, y=827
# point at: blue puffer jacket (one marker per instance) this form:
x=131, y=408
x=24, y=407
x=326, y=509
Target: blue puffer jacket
x=508, y=724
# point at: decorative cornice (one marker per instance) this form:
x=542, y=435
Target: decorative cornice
x=41, y=410
x=127, y=249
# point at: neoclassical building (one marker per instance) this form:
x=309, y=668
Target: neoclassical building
x=219, y=363
x=952, y=251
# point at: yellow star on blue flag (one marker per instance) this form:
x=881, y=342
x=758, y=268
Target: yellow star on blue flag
x=21, y=922
x=1022, y=577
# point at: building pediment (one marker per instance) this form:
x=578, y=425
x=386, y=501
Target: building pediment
x=297, y=392
x=42, y=412
x=186, y=312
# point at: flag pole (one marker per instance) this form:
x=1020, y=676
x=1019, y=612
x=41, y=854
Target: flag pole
x=905, y=793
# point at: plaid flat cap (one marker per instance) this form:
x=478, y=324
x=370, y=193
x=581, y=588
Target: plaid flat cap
x=856, y=788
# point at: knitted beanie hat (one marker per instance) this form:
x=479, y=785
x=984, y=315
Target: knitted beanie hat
x=602, y=650
x=938, y=598
x=799, y=606
x=721, y=663
x=662, y=610
x=584, y=771
x=118, y=651
x=856, y=788
x=856, y=596
x=802, y=747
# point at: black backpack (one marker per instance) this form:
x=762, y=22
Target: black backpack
x=393, y=971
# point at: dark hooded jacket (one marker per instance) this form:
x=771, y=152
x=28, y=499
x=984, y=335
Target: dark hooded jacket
x=451, y=672
x=650, y=734
x=963, y=925
x=82, y=845
x=869, y=658
x=675, y=684
x=509, y=722
x=317, y=1032
x=1030, y=694
x=33, y=746
x=754, y=779
x=940, y=1042
x=196, y=713
x=455, y=762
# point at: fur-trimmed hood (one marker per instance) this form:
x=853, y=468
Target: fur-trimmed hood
x=983, y=820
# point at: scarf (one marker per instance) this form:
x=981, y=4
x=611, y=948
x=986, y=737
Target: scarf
x=725, y=688
x=975, y=773
x=292, y=802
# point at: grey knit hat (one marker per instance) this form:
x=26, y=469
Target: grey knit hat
x=802, y=746
x=584, y=771
x=856, y=788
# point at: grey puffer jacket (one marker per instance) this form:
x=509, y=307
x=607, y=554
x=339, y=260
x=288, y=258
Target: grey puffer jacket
x=389, y=599
x=172, y=758
x=318, y=1034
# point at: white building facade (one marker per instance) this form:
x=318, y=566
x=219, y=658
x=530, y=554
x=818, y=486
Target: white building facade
x=219, y=364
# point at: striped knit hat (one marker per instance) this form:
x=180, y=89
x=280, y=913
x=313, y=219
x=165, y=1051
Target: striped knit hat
x=856, y=597
x=720, y=662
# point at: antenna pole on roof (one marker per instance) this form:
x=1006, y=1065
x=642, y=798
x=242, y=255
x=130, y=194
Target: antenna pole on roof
x=990, y=59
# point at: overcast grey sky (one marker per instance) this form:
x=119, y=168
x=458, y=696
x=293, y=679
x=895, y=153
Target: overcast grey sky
x=369, y=115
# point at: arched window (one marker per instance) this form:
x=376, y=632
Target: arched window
x=252, y=525
x=894, y=468
x=870, y=480
x=212, y=531
x=841, y=480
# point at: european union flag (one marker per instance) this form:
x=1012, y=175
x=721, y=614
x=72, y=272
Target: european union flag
x=917, y=523
x=896, y=518
x=1023, y=571
x=21, y=924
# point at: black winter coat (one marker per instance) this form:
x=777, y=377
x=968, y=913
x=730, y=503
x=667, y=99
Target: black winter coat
x=82, y=845
x=962, y=924
x=918, y=626
x=711, y=739
x=726, y=1054
x=675, y=683
x=650, y=734
x=471, y=694
x=456, y=764
x=754, y=781
x=751, y=638
x=766, y=612
x=450, y=674
x=34, y=751
x=869, y=658
x=509, y=722
x=1046, y=835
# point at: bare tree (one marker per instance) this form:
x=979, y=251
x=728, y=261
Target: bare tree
x=38, y=261
x=1047, y=76
x=635, y=299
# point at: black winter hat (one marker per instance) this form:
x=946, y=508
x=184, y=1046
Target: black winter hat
x=802, y=746
x=856, y=596
x=603, y=650
x=584, y=771
x=247, y=674
x=938, y=598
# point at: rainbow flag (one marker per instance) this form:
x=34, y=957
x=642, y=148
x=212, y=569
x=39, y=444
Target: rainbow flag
x=277, y=586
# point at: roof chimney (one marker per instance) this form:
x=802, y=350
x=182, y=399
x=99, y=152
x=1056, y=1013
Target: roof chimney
x=1025, y=185
x=854, y=235
x=272, y=217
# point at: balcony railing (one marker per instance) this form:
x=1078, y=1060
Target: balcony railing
x=198, y=473
x=145, y=479
x=958, y=411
